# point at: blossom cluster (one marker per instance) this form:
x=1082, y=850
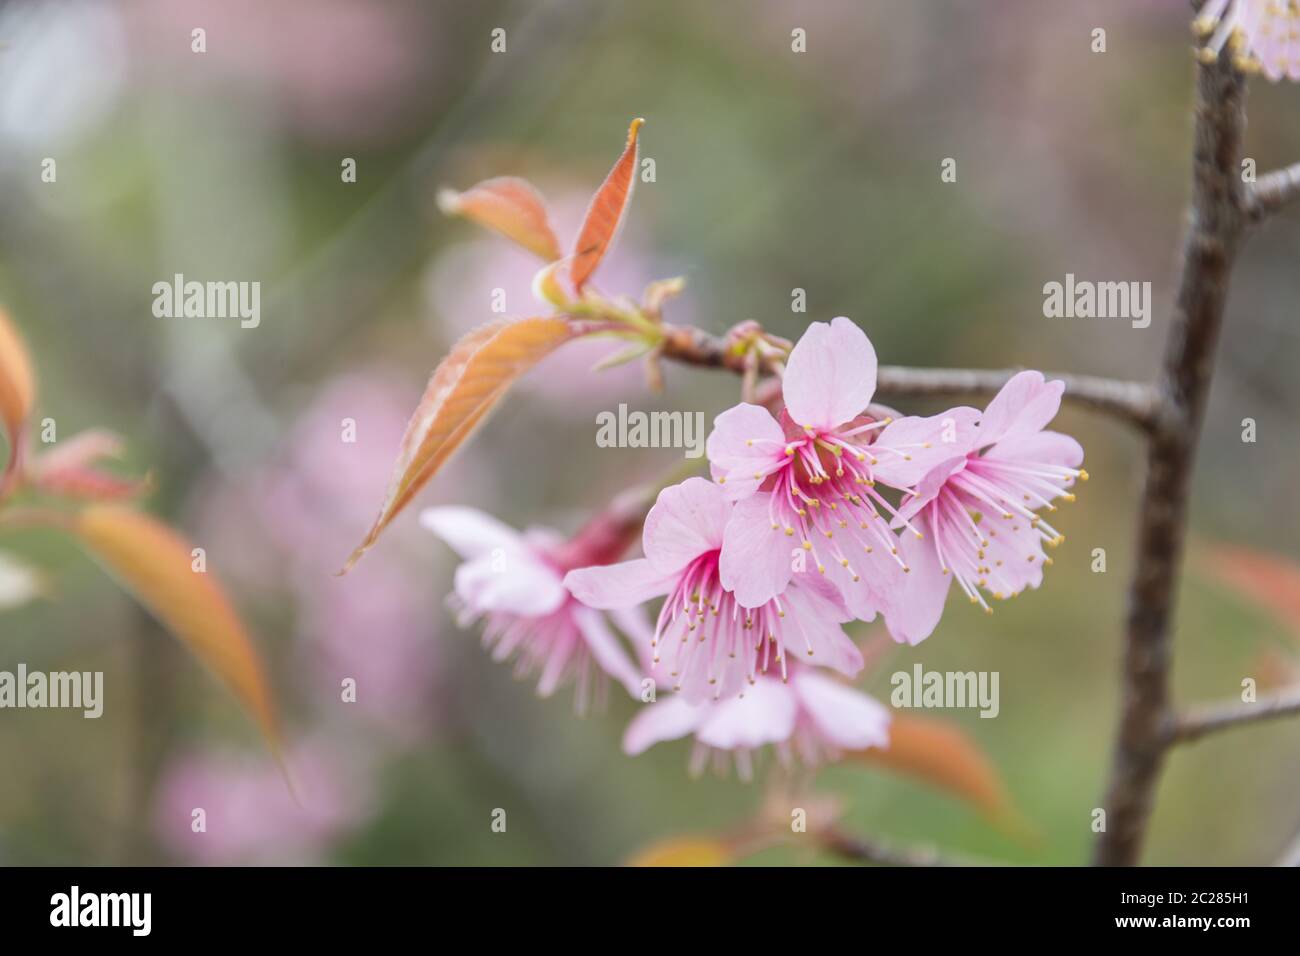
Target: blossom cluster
x=829, y=511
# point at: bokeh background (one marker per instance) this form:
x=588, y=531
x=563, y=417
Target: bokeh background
x=775, y=170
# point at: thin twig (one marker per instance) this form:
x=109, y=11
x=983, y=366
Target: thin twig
x=862, y=849
x=1131, y=402
x=1215, y=227
x=1210, y=718
x=1273, y=192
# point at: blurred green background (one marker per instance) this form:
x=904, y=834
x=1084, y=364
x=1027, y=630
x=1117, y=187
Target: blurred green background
x=775, y=170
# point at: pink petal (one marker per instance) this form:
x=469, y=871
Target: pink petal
x=746, y=440
x=765, y=715
x=879, y=575
x=828, y=598
x=660, y=721
x=812, y=623
x=687, y=520
x=916, y=613
x=1013, y=542
x=949, y=435
x=606, y=649
x=1023, y=406
x=469, y=532
x=1048, y=448
x=618, y=585
x=847, y=718
x=632, y=622
x=756, y=562
x=831, y=374
x=560, y=647
x=514, y=583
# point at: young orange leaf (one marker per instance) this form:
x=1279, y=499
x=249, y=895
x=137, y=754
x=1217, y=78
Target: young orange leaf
x=605, y=214
x=465, y=386
x=17, y=389
x=510, y=206
x=155, y=565
x=944, y=756
x=684, y=851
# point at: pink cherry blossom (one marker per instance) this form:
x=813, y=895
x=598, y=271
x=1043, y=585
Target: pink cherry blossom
x=809, y=480
x=251, y=816
x=1259, y=34
x=810, y=717
x=978, y=510
x=516, y=583
x=713, y=644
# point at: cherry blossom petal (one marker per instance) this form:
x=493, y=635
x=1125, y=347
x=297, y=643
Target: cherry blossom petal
x=663, y=720
x=845, y=717
x=1049, y=448
x=756, y=561
x=1023, y=406
x=813, y=634
x=924, y=443
x=879, y=577
x=606, y=649
x=916, y=613
x=764, y=715
x=469, y=532
x=1014, y=554
x=745, y=444
x=687, y=520
x=618, y=585
x=831, y=374
x=632, y=622
x=516, y=583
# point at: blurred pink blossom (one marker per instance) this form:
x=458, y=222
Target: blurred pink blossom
x=516, y=583
x=312, y=504
x=250, y=816
x=339, y=70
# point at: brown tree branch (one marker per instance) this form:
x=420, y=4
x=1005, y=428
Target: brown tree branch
x=1216, y=221
x=1273, y=192
x=1131, y=402
x=1211, y=718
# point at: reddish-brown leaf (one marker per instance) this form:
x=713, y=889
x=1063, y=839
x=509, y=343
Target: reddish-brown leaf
x=155, y=564
x=466, y=385
x=68, y=469
x=17, y=391
x=1272, y=581
x=605, y=214
x=510, y=206
x=944, y=756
